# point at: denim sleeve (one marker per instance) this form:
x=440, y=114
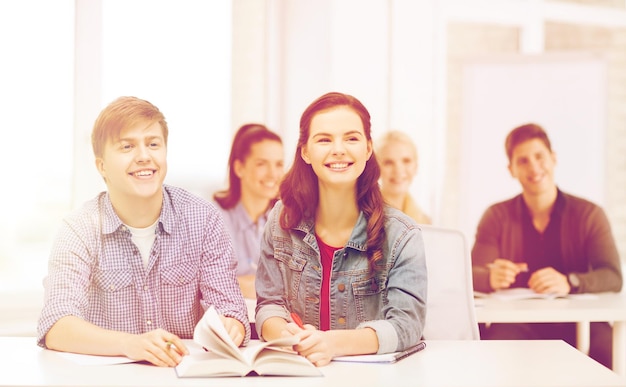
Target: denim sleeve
x=405, y=309
x=269, y=283
x=386, y=334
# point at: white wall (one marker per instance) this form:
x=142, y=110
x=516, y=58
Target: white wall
x=566, y=94
x=382, y=54
x=392, y=55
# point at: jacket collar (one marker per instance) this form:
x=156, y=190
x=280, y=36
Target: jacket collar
x=357, y=239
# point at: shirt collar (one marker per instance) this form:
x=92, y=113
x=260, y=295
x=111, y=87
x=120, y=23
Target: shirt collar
x=557, y=208
x=356, y=241
x=241, y=220
x=111, y=222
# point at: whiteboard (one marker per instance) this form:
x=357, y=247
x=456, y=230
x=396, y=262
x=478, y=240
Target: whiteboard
x=565, y=94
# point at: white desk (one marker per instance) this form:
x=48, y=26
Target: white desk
x=443, y=363
x=609, y=307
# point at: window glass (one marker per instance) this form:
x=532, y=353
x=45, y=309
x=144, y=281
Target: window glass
x=176, y=54
x=36, y=74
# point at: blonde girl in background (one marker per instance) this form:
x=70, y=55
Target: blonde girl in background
x=397, y=157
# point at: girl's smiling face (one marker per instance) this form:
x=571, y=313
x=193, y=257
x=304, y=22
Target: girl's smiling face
x=337, y=148
x=262, y=170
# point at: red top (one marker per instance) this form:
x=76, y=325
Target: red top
x=326, y=256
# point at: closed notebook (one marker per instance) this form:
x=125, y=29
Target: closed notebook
x=382, y=358
x=221, y=357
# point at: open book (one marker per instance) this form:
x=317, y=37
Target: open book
x=222, y=357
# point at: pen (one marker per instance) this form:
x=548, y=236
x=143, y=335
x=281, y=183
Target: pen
x=420, y=346
x=297, y=319
x=169, y=345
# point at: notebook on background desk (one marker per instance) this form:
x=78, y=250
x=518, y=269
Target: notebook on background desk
x=528, y=294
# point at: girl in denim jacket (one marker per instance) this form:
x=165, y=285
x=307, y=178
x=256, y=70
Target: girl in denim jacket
x=333, y=253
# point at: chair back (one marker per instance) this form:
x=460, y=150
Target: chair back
x=450, y=313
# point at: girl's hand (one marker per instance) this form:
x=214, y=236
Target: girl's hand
x=314, y=345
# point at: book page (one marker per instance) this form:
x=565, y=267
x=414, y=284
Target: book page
x=269, y=361
x=211, y=334
x=272, y=361
x=283, y=344
x=210, y=364
x=224, y=358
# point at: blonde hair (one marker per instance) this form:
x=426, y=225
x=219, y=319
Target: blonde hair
x=395, y=136
x=121, y=114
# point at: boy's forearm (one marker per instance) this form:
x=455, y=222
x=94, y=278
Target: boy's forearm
x=73, y=334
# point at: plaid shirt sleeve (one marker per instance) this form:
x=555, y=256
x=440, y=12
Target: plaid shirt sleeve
x=96, y=272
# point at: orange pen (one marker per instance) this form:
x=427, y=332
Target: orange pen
x=297, y=319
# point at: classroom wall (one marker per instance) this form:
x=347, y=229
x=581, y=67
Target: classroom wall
x=405, y=60
x=385, y=57
x=612, y=43
x=468, y=40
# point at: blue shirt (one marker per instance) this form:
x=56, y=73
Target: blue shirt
x=246, y=236
x=393, y=302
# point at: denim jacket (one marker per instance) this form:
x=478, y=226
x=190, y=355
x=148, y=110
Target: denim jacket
x=393, y=302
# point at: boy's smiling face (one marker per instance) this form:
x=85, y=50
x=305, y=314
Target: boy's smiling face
x=135, y=165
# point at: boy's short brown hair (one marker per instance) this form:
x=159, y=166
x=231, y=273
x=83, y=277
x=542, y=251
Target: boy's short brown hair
x=524, y=133
x=121, y=114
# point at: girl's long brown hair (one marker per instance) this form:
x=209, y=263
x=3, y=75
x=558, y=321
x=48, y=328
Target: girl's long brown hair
x=299, y=188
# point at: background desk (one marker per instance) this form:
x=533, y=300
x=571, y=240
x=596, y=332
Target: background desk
x=609, y=307
x=442, y=363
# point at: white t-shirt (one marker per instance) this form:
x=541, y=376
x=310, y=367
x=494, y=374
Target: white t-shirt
x=144, y=239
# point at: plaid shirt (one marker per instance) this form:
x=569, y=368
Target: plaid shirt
x=95, y=271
